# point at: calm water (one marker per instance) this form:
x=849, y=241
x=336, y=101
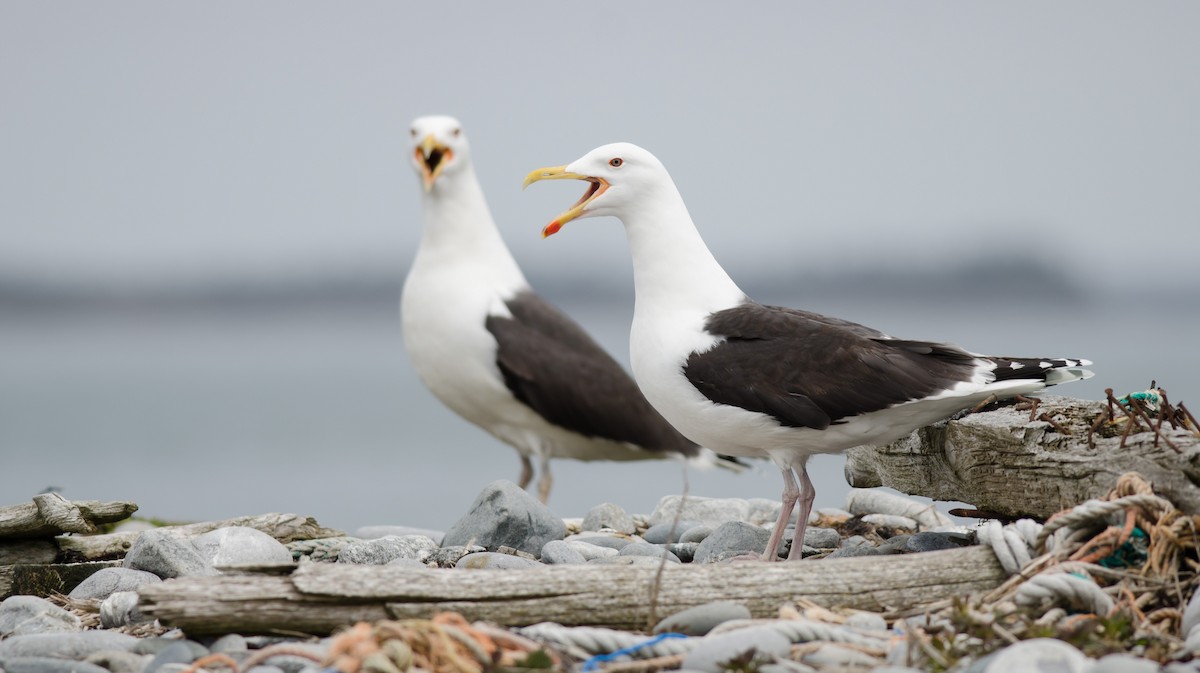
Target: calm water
x=205, y=415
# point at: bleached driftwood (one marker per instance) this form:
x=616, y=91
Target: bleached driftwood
x=1001, y=462
x=283, y=527
x=50, y=514
x=318, y=598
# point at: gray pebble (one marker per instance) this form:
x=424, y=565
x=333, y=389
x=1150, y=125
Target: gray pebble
x=104, y=582
x=387, y=549
x=867, y=621
x=927, y=541
x=66, y=645
x=179, y=652
x=120, y=609
x=49, y=665
x=711, y=512
x=167, y=555
x=855, y=541
x=241, y=546
x=610, y=541
x=30, y=614
x=119, y=661
x=755, y=646
x=650, y=550
x=408, y=563
x=686, y=551
x=504, y=515
x=491, y=560
x=229, y=643
x=558, y=552
x=822, y=538
x=696, y=534
x=733, y=536
x=839, y=657
x=446, y=557
x=1039, y=655
x=289, y=663
x=1123, y=663
x=373, y=532
x=857, y=550
x=626, y=561
x=591, y=551
x=699, y=620
x=894, y=544
x=158, y=644
x=609, y=515
x=668, y=531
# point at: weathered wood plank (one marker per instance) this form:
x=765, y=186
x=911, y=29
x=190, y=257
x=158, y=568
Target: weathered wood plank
x=1001, y=462
x=50, y=514
x=43, y=580
x=249, y=604
x=13, y=552
x=283, y=527
x=318, y=595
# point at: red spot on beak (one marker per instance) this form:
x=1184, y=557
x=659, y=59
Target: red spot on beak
x=551, y=229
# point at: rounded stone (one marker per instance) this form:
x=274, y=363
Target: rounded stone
x=611, y=516
x=867, y=621
x=118, y=661
x=747, y=648
x=387, y=549
x=373, y=532
x=893, y=521
x=241, y=546
x=708, y=511
x=591, y=551
x=49, y=665
x=21, y=615
x=178, y=652
x=733, y=536
x=696, y=534
x=627, y=561
x=120, y=609
x=1123, y=663
x=927, y=541
x=495, y=561
x=822, y=538
x=229, y=643
x=857, y=550
x=1039, y=655
x=668, y=532
x=167, y=555
x=649, y=550
x=106, y=581
x=558, y=552
x=832, y=656
x=66, y=645
x=504, y=515
x=610, y=541
x=409, y=563
x=894, y=544
x=699, y=620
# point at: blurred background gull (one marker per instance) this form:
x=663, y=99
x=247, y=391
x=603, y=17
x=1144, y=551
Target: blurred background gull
x=206, y=213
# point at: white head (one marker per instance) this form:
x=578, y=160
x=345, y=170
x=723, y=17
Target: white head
x=621, y=175
x=439, y=147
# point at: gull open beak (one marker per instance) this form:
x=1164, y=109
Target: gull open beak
x=596, y=187
x=431, y=156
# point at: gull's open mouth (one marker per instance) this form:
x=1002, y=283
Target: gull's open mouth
x=432, y=157
x=596, y=187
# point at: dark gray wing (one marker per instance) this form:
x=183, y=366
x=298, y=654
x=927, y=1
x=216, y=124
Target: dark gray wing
x=809, y=370
x=555, y=368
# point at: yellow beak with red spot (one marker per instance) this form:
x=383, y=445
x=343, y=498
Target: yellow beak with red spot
x=596, y=187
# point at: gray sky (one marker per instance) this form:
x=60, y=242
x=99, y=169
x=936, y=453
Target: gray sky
x=155, y=141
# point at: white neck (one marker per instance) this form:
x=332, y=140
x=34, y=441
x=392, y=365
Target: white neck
x=456, y=221
x=673, y=269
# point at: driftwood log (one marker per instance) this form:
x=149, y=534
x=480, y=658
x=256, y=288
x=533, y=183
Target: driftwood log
x=283, y=527
x=1002, y=462
x=318, y=598
x=50, y=514
x=46, y=579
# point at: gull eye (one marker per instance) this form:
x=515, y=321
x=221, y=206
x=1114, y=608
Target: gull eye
x=412, y=132
x=615, y=162
x=457, y=132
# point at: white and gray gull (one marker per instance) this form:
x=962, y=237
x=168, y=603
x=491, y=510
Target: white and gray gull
x=496, y=353
x=751, y=380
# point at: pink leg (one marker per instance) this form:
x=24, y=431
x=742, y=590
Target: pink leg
x=807, y=494
x=526, y=472
x=790, y=493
